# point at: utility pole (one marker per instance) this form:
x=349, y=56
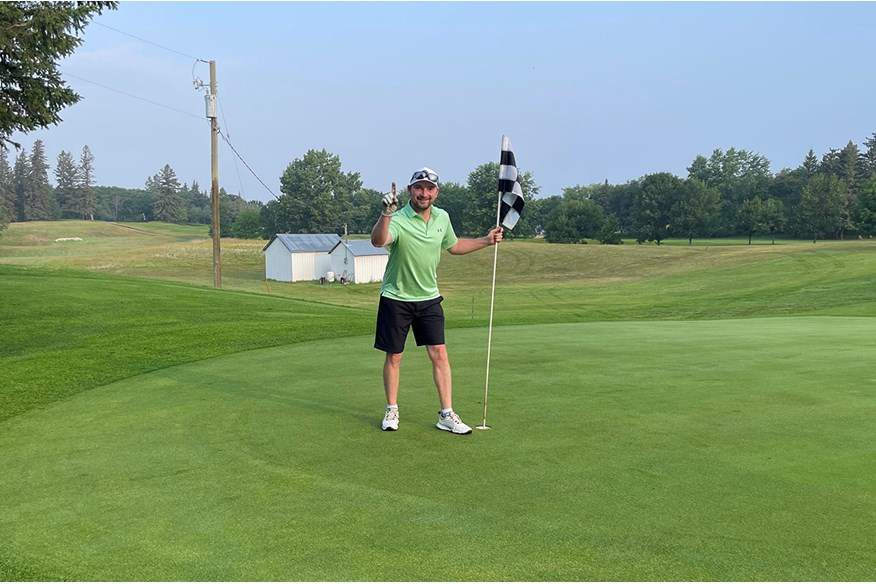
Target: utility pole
x=214, y=159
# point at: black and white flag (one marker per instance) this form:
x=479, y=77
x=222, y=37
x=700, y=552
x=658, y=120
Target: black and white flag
x=511, y=193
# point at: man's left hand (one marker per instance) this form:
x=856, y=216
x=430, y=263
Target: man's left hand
x=495, y=235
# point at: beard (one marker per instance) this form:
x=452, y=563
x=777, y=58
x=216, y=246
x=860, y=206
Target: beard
x=416, y=204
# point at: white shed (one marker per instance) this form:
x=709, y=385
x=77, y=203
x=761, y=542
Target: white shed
x=293, y=257
x=358, y=261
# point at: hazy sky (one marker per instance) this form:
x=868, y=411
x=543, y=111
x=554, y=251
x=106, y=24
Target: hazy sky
x=586, y=91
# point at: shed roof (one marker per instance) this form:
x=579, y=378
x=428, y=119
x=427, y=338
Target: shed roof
x=306, y=242
x=361, y=247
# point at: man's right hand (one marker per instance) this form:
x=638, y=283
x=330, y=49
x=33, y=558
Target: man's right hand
x=390, y=204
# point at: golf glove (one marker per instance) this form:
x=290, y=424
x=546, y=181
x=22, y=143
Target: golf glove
x=390, y=204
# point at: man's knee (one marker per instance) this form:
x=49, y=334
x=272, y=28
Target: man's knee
x=437, y=353
x=393, y=359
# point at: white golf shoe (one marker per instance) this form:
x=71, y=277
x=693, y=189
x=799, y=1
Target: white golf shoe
x=452, y=423
x=390, y=420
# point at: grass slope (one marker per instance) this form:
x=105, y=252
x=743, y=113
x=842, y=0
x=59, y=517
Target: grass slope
x=729, y=450
x=64, y=332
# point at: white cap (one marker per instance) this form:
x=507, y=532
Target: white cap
x=424, y=174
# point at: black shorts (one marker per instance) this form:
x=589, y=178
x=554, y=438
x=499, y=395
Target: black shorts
x=395, y=318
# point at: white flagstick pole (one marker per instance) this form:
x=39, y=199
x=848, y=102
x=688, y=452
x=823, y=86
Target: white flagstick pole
x=492, y=300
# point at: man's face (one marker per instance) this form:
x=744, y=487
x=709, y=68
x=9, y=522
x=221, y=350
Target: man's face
x=423, y=194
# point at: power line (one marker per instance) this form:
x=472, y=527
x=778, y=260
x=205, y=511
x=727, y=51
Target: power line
x=150, y=42
x=247, y=165
x=132, y=95
x=225, y=122
x=196, y=83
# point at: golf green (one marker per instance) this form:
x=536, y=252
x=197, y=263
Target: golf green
x=707, y=450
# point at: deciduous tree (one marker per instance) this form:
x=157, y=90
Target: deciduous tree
x=483, y=189
x=696, y=210
x=315, y=195
x=749, y=218
x=652, y=210
x=773, y=217
x=821, y=206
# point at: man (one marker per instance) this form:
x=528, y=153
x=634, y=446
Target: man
x=409, y=296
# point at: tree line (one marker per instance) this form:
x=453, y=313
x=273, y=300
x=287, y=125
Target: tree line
x=729, y=193
x=27, y=194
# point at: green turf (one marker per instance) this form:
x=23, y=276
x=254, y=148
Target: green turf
x=731, y=450
x=663, y=412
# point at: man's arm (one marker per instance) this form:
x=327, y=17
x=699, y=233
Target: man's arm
x=380, y=235
x=464, y=246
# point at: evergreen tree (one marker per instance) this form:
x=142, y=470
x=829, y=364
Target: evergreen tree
x=830, y=162
x=866, y=212
x=85, y=196
x=870, y=155
x=65, y=184
x=810, y=164
x=20, y=179
x=37, y=204
x=7, y=188
x=168, y=205
x=35, y=35
x=852, y=167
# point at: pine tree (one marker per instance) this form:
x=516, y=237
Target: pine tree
x=7, y=189
x=65, y=184
x=35, y=35
x=810, y=164
x=830, y=162
x=20, y=179
x=870, y=155
x=85, y=197
x=37, y=204
x=168, y=205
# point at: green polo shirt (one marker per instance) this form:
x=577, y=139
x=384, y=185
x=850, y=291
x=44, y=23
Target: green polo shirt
x=412, y=270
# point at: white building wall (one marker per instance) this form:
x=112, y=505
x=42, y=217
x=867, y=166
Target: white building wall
x=360, y=269
x=337, y=262
x=278, y=263
x=310, y=265
x=370, y=268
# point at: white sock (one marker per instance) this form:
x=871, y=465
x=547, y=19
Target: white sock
x=392, y=407
x=446, y=412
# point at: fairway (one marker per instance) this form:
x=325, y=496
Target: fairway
x=700, y=450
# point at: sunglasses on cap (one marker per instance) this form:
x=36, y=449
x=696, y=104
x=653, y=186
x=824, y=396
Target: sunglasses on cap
x=424, y=175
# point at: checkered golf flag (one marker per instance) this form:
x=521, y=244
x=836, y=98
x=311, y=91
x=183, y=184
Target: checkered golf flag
x=512, y=194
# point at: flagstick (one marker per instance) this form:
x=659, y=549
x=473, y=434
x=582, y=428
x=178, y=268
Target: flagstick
x=492, y=301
